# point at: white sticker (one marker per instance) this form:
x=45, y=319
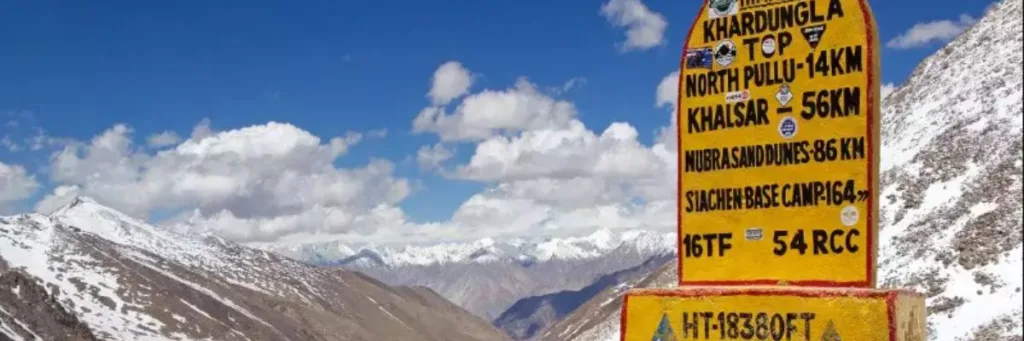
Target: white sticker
x=768, y=46
x=754, y=233
x=737, y=96
x=784, y=95
x=850, y=215
x=787, y=127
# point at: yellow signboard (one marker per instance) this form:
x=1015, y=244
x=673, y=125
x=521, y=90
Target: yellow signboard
x=772, y=313
x=779, y=144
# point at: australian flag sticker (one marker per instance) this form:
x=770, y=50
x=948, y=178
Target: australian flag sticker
x=699, y=58
x=664, y=331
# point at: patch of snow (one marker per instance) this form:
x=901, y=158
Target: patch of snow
x=34, y=248
x=984, y=307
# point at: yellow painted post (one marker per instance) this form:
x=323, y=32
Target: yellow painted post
x=779, y=115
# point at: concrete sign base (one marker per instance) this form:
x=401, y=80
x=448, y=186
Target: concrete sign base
x=773, y=313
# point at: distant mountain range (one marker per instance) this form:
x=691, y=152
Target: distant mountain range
x=484, y=251
x=88, y=272
x=487, y=276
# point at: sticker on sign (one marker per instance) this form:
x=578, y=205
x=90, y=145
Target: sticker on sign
x=737, y=96
x=781, y=132
x=772, y=313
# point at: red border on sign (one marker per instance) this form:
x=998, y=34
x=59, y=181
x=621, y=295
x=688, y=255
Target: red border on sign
x=870, y=269
x=889, y=296
x=890, y=311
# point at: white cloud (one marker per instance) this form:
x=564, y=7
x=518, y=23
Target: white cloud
x=924, y=33
x=666, y=96
x=257, y=183
x=61, y=195
x=432, y=156
x=644, y=28
x=492, y=112
x=546, y=174
x=15, y=185
x=555, y=176
x=667, y=92
x=567, y=153
x=163, y=139
x=451, y=80
x=887, y=89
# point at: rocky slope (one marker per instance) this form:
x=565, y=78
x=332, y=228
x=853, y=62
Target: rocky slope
x=530, y=315
x=950, y=192
x=485, y=276
x=88, y=272
x=598, y=318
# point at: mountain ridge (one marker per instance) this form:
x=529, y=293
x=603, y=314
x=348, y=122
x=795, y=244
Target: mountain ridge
x=486, y=250
x=530, y=315
x=128, y=280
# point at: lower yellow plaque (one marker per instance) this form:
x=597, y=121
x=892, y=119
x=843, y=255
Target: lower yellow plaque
x=772, y=313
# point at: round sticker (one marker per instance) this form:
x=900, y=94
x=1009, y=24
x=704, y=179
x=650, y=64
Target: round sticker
x=850, y=215
x=787, y=127
x=768, y=46
x=722, y=7
x=725, y=52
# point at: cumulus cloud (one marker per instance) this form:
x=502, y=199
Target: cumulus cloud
x=16, y=184
x=666, y=96
x=451, y=80
x=547, y=173
x=924, y=33
x=493, y=112
x=61, y=195
x=430, y=157
x=566, y=153
x=257, y=183
x=644, y=28
x=667, y=92
x=163, y=139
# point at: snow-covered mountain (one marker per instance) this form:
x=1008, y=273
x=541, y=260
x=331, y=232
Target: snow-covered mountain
x=483, y=251
x=487, y=276
x=951, y=192
x=89, y=272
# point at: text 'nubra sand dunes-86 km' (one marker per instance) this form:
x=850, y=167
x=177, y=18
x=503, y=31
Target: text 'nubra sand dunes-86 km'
x=611, y=170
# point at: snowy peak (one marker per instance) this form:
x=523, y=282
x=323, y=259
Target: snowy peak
x=482, y=251
x=128, y=280
x=90, y=216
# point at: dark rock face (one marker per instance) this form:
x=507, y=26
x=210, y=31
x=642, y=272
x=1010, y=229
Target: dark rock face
x=530, y=315
x=28, y=310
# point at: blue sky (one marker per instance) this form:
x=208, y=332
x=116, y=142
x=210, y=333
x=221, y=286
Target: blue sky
x=331, y=67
